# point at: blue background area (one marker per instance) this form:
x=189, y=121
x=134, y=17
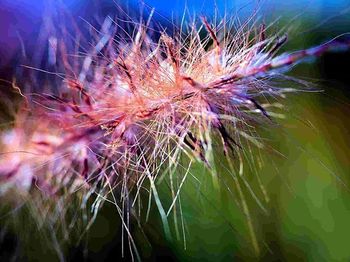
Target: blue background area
x=200, y=6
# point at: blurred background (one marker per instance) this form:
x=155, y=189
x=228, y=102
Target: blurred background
x=307, y=217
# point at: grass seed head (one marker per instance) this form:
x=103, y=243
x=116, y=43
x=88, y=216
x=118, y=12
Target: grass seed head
x=133, y=105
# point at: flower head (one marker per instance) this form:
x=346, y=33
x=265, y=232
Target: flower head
x=134, y=106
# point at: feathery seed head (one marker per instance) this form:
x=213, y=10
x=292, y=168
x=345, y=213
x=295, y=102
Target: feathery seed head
x=137, y=104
